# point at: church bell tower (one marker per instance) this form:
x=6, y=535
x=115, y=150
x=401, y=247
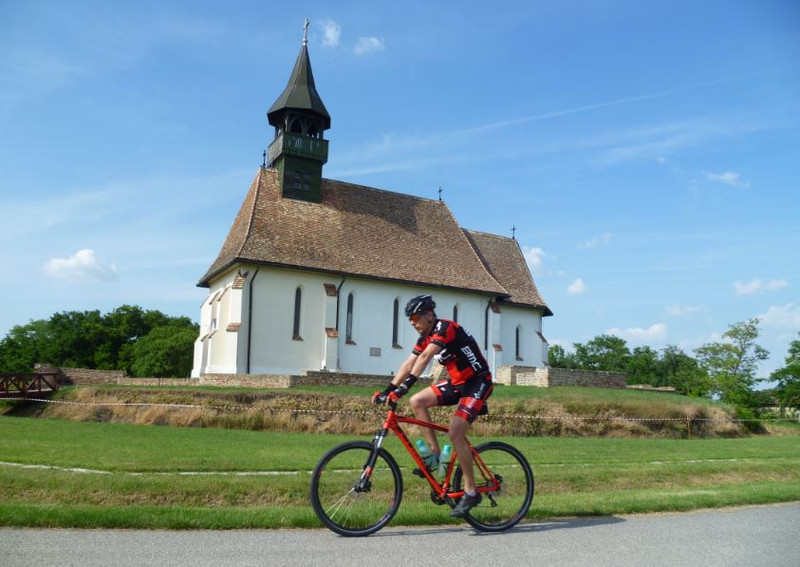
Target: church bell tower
x=299, y=116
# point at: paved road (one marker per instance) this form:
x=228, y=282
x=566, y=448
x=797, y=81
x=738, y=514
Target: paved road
x=753, y=537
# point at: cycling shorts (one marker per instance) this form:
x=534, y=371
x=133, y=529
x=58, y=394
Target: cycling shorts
x=471, y=396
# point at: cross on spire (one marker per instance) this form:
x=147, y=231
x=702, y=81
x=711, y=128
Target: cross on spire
x=440, y=192
x=513, y=232
x=305, y=32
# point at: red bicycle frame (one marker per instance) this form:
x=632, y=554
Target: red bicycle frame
x=442, y=490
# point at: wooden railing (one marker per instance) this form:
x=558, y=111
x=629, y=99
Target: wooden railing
x=27, y=384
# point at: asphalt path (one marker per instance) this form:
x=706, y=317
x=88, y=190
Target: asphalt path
x=759, y=536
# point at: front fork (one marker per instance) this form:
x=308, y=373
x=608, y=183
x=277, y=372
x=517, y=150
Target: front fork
x=364, y=484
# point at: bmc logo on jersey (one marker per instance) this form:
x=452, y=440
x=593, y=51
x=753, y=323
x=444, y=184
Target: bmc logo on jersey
x=473, y=360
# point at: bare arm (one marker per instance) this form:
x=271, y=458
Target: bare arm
x=406, y=375
x=416, y=363
x=404, y=370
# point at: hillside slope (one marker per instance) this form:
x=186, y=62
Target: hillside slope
x=514, y=411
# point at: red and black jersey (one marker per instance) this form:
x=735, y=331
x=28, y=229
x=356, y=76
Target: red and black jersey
x=460, y=354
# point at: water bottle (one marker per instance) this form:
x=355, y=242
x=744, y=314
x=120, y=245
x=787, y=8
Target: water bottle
x=444, y=461
x=426, y=454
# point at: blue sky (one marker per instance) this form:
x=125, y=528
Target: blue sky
x=647, y=152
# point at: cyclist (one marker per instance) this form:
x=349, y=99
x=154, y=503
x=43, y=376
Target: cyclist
x=469, y=385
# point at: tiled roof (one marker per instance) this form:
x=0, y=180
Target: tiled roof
x=366, y=232
x=505, y=261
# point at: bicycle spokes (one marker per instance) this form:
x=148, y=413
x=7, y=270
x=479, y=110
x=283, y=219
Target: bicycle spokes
x=353, y=500
x=504, y=478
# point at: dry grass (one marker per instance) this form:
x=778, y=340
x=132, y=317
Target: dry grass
x=325, y=412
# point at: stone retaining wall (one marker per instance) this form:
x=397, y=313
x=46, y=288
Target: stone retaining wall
x=88, y=377
x=510, y=375
x=550, y=377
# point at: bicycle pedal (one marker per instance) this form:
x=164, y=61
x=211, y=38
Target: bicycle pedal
x=438, y=500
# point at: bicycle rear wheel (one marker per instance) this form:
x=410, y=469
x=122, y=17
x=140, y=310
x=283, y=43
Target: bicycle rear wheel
x=346, y=499
x=502, y=509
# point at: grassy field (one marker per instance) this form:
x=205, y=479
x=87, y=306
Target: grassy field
x=61, y=473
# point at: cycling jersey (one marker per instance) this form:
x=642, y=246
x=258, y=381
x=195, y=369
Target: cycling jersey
x=460, y=354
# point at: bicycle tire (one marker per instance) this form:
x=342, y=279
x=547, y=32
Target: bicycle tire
x=338, y=503
x=501, y=510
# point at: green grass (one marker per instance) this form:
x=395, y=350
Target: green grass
x=138, y=481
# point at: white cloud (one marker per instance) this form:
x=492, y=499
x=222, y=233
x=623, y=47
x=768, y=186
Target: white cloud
x=84, y=264
x=775, y=285
x=728, y=178
x=757, y=286
x=782, y=317
x=678, y=310
x=655, y=333
x=602, y=240
x=366, y=45
x=576, y=287
x=331, y=32
x=534, y=257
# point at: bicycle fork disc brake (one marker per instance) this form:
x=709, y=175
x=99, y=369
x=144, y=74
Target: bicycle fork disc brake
x=364, y=484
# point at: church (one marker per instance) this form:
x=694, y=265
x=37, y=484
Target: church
x=315, y=273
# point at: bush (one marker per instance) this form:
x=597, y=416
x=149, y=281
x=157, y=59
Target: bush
x=164, y=352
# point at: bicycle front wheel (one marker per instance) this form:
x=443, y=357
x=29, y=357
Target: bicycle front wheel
x=350, y=499
x=499, y=510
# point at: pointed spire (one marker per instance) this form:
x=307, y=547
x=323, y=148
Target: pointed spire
x=299, y=149
x=300, y=92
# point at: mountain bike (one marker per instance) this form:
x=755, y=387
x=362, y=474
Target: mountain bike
x=356, y=487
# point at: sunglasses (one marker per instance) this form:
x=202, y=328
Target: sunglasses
x=417, y=316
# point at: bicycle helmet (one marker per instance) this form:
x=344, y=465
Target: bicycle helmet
x=420, y=304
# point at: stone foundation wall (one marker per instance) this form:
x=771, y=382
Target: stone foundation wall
x=88, y=377
x=509, y=375
x=550, y=377
x=593, y=379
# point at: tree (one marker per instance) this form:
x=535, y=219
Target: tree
x=787, y=390
x=731, y=365
x=604, y=352
x=165, y=351
x=23, y=346
x=84, y=339
x=643, y=367
x=557, y=357
x=683, y=373
x=74, y=337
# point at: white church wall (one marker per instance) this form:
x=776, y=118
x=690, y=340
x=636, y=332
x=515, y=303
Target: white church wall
x=200, y=344
x=273, y=349
x=528, y=322
x=222, y=344
x=365, y=341
x=210, y=347
x=372, y=348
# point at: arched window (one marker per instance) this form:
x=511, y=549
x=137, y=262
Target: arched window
x=396, y=323
x=518, y=339
x=455, y=313
x=295, y=125
x=349, y=323
x=298, y=297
